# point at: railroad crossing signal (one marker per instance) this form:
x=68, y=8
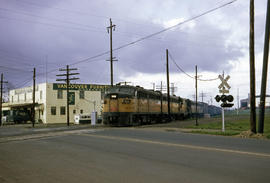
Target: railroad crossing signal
x=224, y=99
x=224, y=88
x=224, y=84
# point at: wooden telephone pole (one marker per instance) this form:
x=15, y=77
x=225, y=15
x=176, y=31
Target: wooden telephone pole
x=110, y=29
x=168, y=84
x=264, y=70
x=252, y=70
x=196, y=95
x=34, y=98
x=67, y=80
x=1, y=96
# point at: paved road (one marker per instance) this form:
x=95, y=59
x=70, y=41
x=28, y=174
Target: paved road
x=133, y=155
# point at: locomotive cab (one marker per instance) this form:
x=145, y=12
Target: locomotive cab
x=118, y=104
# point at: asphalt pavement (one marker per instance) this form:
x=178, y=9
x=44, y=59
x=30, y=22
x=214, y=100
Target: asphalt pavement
x=133, y=155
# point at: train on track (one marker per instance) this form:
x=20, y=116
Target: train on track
x=129, y=105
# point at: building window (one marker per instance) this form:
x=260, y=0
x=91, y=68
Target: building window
x=53, y=110
x=40, y=94
x=81, y=111
x=59, y=94
x=24, y=96
x=12, y=99
x=62, y=110
x=74, y=111
x=81, y=94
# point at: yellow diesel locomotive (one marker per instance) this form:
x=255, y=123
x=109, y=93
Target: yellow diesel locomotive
x=130, y=105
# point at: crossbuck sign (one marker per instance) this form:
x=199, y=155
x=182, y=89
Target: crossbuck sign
x=224, y=86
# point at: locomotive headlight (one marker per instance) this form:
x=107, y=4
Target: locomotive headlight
x=113, y=96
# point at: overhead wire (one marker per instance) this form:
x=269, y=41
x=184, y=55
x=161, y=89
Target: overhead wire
x=182, y=70
x=48, y=24
x=80, y=12
x=138, y=40
x=156, y=33
x=49, y=18
x=43, y=73
x=15, y=69
x=21, y=84
x=77, y=12
x=17, y=56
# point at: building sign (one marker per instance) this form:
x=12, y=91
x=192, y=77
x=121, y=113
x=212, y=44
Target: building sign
x=86, y=87
x=71, y=98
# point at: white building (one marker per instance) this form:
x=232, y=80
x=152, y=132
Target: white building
x=51, y=100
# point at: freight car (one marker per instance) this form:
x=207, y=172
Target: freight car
x=129, y=105
x=214, y=110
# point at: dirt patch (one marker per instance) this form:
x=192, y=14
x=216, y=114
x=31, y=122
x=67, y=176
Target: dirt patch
x=250, y=134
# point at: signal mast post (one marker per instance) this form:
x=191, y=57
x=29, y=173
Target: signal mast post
x=222, y=108
x=223, y=120
x=224, y=98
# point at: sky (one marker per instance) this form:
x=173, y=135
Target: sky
x=50, y=34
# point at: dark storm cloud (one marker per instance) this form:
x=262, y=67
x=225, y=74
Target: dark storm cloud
x=67, y=32
x=204, y=45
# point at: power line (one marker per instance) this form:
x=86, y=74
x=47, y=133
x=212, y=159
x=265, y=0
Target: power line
x=156, y=33
x=15, y=69
x=187, y=73
x=136, y=41
x=49, y=24
x=21, y=84
x=67, y=22
x=62, y=21
x=208, y=79
x=85, y=60
x=61, y=9
x=180, y=67
x=16, y=56
x=93, y=29
x=80, y=12
x=172, y=27
x=48, y=18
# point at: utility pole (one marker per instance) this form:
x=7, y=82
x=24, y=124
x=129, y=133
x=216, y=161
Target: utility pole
x=161, y=89
x=1, y=96
x=67, y=80
x=173, y=89
x=237, y=101
x=264, y=72
x=34, y=98
x=252, y=70
x=161, y=97
x=196, y=95
x=203, y=95
x=168, y=84
x=110, y=29
x=46, y=68
x=154, y=86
